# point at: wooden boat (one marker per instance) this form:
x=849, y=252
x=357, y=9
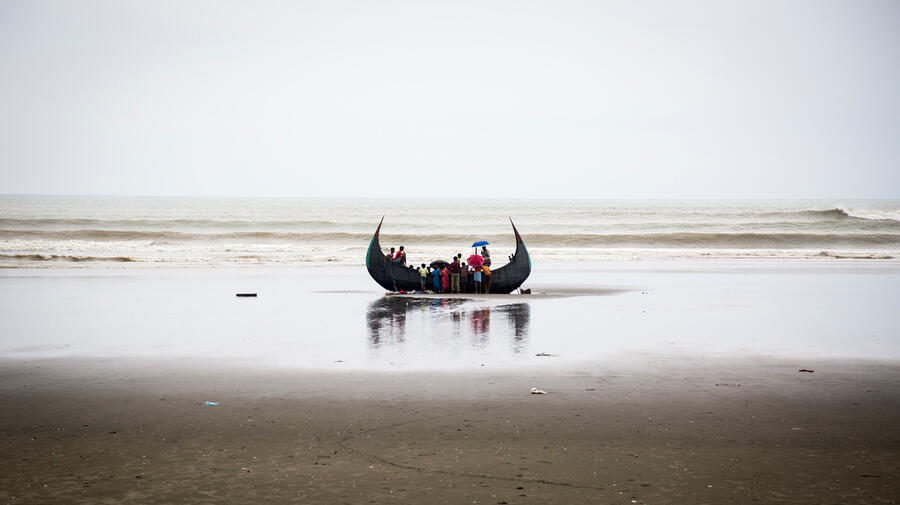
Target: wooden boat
x=394, y=277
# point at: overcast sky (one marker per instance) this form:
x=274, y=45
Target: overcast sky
x=618, y=99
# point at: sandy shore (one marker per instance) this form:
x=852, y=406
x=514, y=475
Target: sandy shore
x=680, y=385
x=689, y=430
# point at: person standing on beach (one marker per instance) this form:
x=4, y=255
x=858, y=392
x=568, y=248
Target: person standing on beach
x=486, y=279
x=445, y=279
x=454, y=275
x=436, y=280
x=423, y=273
x=463, y=274
x=477, y=279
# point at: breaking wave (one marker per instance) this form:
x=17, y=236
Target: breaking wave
x=717, y=240
x=848, y=213
x=167, y=223
x=62, y=257
x=673, y=239
x=177, y=236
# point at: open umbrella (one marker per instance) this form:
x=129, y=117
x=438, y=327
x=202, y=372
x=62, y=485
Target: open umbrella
x=475, y=260
x=480, y=243
x=439, y=264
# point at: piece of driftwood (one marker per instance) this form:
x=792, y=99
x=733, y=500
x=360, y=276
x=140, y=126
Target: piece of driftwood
x=246, y=295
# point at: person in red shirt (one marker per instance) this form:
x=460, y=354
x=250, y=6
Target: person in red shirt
x=454, y=276
x=400, y=258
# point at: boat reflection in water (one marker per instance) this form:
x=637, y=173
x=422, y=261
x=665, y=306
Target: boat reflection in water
x=444, y=330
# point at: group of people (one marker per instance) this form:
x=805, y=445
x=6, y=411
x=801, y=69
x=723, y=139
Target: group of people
x=454, y=277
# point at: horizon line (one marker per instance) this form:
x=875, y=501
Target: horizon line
x=444, y=199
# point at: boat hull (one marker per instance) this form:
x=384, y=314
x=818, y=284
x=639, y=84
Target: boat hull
x=393, y=277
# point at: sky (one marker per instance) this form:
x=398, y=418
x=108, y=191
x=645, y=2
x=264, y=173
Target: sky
x=502, y=99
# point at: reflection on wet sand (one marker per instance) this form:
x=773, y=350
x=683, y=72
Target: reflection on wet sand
x=448, y=324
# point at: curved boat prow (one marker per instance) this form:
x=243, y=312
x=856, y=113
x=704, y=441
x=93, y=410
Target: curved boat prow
x=518, y=237
x=374, y=243
x=520, y=247
x=509, y=277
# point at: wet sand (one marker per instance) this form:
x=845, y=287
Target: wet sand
x=680, y=386
x=656, y=430
x=315, y=317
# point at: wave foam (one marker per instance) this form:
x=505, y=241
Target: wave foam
x=870, y=214
x=63, y=257
x=330, y=240
x=855, y=256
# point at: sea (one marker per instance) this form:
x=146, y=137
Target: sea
x=120, y=231
x=611, y=280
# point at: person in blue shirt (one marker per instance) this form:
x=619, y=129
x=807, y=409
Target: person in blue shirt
x=477, y=279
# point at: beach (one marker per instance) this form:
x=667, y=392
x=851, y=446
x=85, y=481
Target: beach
x=702, y=431
x=666, y=382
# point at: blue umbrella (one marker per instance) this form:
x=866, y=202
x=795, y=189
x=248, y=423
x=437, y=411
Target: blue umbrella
x=480, y=242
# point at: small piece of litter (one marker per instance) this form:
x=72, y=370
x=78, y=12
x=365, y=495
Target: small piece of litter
x=210, y=403
x=536, y=391
x=543, y=354
x=805, y=370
